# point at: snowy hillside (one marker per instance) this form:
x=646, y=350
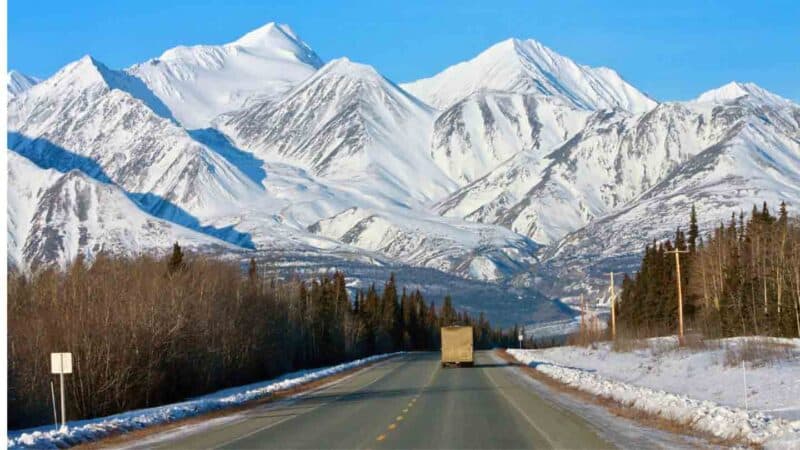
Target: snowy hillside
x=472, y=250
x=618, y=157
x=755, y=163
x=18, y=83
x=527, y=66
x=105, y=123
x=486, y=128
x=348, y=123
x=55, y=216
x=198, y=83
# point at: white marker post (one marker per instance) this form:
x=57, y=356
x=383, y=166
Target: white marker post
x=55, y=414
x=61, y=363
x=520, y=337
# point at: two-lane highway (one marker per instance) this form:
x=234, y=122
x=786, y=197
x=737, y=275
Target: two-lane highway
x=407, y=402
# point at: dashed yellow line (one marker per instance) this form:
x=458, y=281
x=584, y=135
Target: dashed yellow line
x=393, y=426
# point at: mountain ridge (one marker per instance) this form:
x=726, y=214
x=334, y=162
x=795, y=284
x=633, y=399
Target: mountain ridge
x=525, y=152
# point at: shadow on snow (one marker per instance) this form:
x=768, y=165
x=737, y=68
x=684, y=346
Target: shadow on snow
x=248, y=164
x=47, y=155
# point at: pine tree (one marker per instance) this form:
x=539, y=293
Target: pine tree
x=448, y=315
x=175, y=262
x=783, y=215
x=694, y=231
x=252, y=271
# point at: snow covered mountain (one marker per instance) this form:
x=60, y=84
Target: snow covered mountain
x=108, y=125
x=528, y=67
x=200, y=82
x=18, y=83
x=471, y=250
x=486, y=128
x=754, y=157
x=104, y=123
x=347, y=123
x=615, y=159
x=258, y=145
x=54, y=216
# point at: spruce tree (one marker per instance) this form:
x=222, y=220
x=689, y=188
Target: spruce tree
x=694, y=231
x=783, y=215
x=175, y=262
x=252, y=271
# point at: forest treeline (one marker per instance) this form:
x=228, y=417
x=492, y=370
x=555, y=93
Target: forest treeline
x=743, y=278
x=147, y=331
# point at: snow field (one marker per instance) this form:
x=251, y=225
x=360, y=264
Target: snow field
x=694, y=387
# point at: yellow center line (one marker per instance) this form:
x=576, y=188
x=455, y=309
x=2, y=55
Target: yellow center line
x=405, y=410
x=393, y=426
x=381, y=437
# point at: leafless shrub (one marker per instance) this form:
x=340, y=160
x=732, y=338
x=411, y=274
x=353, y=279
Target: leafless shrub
x=758, y=352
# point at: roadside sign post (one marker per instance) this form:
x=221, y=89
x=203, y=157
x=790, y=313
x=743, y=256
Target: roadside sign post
x=61, y=363
x=520, y=338
x=53, y=396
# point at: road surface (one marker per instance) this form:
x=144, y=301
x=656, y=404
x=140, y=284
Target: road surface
x=407, y=402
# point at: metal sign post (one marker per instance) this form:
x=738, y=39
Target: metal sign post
x=53, y=395
x=61, y=363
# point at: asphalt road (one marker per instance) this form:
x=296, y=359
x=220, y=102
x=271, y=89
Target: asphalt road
x=407, y=402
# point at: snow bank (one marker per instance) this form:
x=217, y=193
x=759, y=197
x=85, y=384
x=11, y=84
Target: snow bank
x=88, y=430
x=639, y=379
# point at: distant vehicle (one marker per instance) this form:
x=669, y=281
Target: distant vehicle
x=457, y=346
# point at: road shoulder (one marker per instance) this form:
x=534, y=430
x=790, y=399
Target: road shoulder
x=621, y=431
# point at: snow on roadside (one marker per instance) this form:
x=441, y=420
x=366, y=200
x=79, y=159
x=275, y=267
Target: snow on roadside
x=89, y=430
x=670, y=384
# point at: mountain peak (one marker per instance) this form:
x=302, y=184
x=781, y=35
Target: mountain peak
x=346, y=67
x=273, y=40
x=266, y=34
x=735, y=90
x=200, y=82
x=81, y=74
x=529, y=67
x=18, y=82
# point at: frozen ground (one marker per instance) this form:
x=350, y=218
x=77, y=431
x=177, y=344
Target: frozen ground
x=703, y=386
x=82, y=431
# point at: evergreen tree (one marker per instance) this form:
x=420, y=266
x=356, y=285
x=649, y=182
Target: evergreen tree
x=175, y=262
x=694, y=231
x=252, y=271
x=448, y=314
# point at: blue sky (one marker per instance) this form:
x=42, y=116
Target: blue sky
x=672, y=50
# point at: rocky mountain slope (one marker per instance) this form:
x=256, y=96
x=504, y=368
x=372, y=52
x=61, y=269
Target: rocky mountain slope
x=347, y=123
x=54, y=217
x=19, y=82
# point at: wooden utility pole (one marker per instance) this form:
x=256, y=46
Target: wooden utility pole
x=680, y=293
x=613, y=296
